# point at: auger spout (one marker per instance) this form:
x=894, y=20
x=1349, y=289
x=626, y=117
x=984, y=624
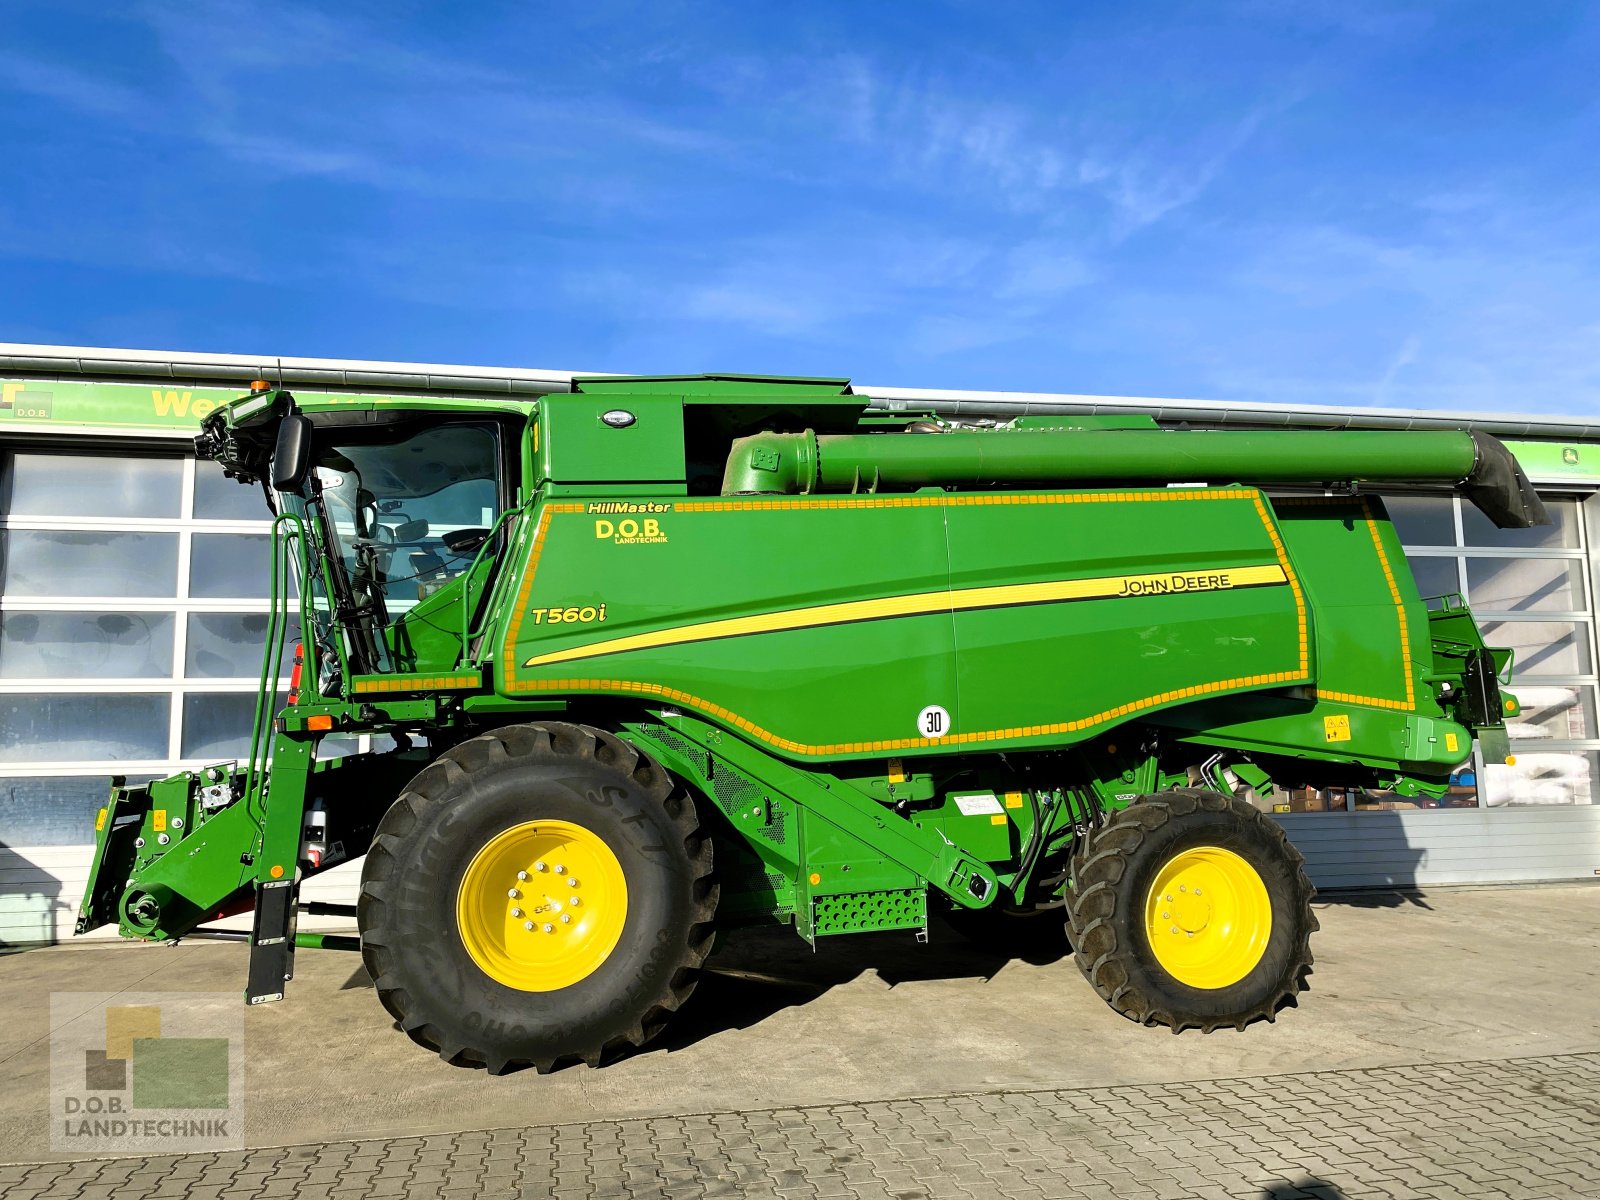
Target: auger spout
x=804, y=463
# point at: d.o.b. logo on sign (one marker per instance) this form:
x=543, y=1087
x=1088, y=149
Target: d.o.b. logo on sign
x=630, y=531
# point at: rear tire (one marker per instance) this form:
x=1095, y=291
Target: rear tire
x=464, y=977
x=1168, y=956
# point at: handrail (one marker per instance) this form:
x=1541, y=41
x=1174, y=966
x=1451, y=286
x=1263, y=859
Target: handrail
x=287, y=530
x=467, y=631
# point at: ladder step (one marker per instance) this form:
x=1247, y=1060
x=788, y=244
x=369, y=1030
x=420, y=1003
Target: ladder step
x=272, y=941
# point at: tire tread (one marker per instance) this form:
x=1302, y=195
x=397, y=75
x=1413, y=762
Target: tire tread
x=1093, y=917
x=452, y=771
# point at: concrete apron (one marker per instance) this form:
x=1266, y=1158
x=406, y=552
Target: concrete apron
x=1455, y=974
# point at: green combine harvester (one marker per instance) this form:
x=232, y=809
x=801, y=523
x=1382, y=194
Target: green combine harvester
x=591, y=677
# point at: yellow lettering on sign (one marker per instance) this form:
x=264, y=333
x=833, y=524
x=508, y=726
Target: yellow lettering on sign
x=158, y=820
x=1336, y=729
x=1452, y=743
x=629, y=531
x=170, y=403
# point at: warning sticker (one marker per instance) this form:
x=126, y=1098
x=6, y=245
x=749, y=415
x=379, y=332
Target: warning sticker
x=977, y=806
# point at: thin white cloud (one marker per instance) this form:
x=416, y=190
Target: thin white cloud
x=68, y=86
x=1404, y=357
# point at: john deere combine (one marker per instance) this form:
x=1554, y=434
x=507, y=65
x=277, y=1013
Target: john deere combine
x=666, y=656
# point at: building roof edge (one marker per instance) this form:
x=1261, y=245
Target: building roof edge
x=95, y=362
x=1230, y=412
x=340, y=373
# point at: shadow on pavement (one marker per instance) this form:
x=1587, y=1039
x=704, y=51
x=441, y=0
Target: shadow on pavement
x=756, y=973
x=1305, y=1188
x=1398, y=897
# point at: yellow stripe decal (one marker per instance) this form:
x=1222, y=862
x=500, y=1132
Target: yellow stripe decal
x=700, y=704
x=415, y=683
x=921, y=603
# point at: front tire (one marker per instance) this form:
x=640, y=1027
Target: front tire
x=1191, y=909
x=537, y=895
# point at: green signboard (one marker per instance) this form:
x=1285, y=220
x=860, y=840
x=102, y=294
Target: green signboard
x=1558, y=462
x=47, y=403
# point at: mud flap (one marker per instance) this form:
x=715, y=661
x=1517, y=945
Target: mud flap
x=272, y=940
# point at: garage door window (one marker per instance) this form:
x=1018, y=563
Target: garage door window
x=1532, y=590
x=133, y=609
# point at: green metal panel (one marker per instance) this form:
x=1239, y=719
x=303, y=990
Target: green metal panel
x=978, y=821
x=1371, y=631
x=760, y=866
x=576, y=445
x=666, y=572
x=1186, y=594
x=848, y=842
x=703, y=603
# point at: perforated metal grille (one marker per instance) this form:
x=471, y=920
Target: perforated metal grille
x=863, y=912
x=734, y=792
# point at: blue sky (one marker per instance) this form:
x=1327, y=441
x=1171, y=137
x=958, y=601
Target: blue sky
x=1307, y=202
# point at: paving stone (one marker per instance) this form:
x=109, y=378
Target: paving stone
x=1514, y=1129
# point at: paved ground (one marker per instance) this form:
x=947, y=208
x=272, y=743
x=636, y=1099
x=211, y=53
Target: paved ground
x=875, y=1067
x=1527, y=1127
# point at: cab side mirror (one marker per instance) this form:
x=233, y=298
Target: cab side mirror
x=291, y=459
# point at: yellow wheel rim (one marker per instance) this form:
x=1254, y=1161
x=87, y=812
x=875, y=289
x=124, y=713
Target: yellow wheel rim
x=542, y=905
x=1208, y=917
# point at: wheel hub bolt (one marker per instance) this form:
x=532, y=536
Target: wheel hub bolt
x=572, y=883
x=560, y=870
x=514, y=894
x=516, y=913
x=566, y=918
x=539, y=866
x=523, y=876
x=549, y=928
x=528, y=926
x=574, y=902
x=1174, y=929
x=1197, y=891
